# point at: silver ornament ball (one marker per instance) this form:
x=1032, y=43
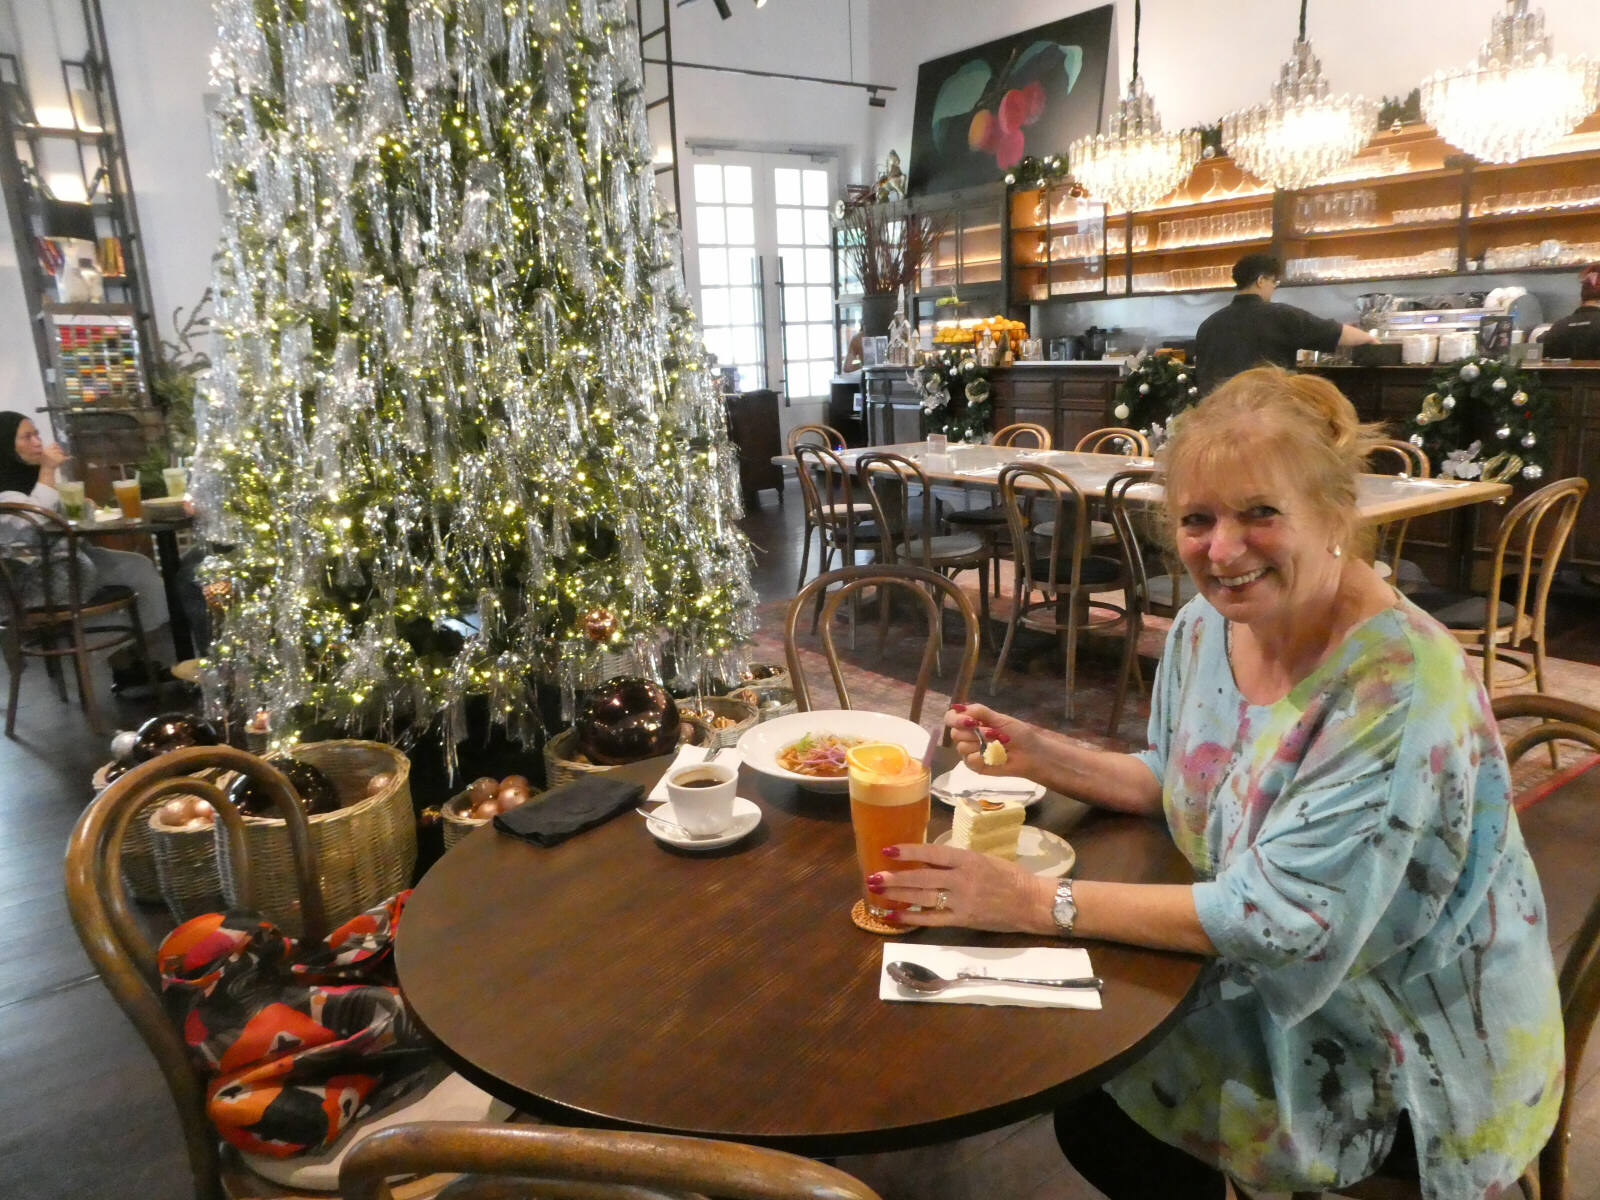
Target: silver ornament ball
x=1448, y=403
x=1416, y=439
x=1532, y=471
x=1529, y=440
x=1519, y=398
x=1499, y=385
x=1470, y=372
x=1144, y=389
x=1120, y=412
x=1503, y=433
x=1194, y=391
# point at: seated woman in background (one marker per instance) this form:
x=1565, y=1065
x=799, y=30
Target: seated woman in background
x=1381, y=984
x=28, y=469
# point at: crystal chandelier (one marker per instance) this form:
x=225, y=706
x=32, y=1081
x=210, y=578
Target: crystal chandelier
x=1302, y=134
x=1135, y=164
x=1516, y=99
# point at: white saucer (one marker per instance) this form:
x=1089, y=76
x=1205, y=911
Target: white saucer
x=746, y=816
x=1038, y=850
x=962, y=778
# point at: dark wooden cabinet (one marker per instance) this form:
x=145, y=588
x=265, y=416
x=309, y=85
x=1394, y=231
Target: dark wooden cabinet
x=753, y=428
x=1068, y=399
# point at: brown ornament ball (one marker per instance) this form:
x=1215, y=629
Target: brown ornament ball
x=481, y=789
x=171, y=731
x=379, y=782
x=627, y=719
x=599, y=624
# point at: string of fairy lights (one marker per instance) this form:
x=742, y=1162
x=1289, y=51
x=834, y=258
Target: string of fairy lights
x=461, y=436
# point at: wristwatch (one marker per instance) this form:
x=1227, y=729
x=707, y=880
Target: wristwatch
x=1065, y=910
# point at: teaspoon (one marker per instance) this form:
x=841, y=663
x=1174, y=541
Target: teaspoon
x=919, y=979
x=650, y=816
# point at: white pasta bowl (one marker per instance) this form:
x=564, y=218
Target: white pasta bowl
x=760, y=745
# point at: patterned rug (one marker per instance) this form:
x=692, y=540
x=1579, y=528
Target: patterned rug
x=1033, y=685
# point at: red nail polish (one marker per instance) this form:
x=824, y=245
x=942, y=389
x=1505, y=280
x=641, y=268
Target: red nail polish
x=891, y=852
x=1003, y=738
x=969, y=722
x=892, y=916
x=874, y=884
x=958, y=707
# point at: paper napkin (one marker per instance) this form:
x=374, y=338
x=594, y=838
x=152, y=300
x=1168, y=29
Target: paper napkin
x=1023, y=962
x=688, y=756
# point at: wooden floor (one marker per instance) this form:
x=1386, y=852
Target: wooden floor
x=84, y=1114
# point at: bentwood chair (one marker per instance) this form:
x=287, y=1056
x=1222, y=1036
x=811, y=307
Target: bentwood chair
x=594, y=1164
x=1053, y=559
x=1130, y=515
x=1579, y=981
x=832, y=512
x=923, y=585
x=1114, y=439
x=1395, y=457
x=893, y=484
x=1527, y=551
x=989, y=521
x=829, y=439
x=68, y=622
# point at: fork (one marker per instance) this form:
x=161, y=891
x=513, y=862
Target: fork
x=965, y=793
x=712, y=753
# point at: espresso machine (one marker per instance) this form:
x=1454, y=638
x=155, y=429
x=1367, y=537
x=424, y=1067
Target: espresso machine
x=1452, y=326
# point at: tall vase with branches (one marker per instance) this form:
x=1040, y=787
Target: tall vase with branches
x=887, y=246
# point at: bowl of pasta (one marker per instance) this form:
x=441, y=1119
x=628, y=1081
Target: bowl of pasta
x=808, y=748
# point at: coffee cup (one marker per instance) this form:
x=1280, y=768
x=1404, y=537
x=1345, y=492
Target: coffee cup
x=702, y=796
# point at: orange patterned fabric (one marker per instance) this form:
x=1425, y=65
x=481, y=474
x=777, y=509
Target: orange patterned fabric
x=300, y=1040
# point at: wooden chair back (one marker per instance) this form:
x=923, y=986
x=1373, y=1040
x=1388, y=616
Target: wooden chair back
x=928, y=587
x=889, y=480
x=52, y=540
x=1579, y=978
x=1068, y=539
x=591, y=1164
x=118, y=947
x=824, y=482
x=1114, y=439
x=1395, y=457
x=1580, y=968
x=824, y=435
x=1023, y=431
x=1127, y=517
x=1531, y=539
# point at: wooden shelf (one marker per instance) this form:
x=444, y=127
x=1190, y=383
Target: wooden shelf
x=1236, y=243
x=1592, y=211
x=1371, y=230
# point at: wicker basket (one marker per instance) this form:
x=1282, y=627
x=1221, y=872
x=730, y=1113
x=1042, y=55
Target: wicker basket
x=367, y=849
x=457, y=824
x=765, y=677
x=770, y=703
x=730, y=716
x=187, y=878
x=561, y=765
x=139, y=878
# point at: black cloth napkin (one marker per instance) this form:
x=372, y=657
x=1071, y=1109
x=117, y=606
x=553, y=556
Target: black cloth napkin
x=571, y=808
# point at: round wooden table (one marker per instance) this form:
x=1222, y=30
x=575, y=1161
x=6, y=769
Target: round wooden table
x=611, y=980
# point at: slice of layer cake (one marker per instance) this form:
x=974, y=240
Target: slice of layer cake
x=987, y=826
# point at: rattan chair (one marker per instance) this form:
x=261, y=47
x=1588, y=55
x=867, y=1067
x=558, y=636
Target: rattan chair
x=1527, y=550
x=1056, y=564
x=66, y=625
x=989, y=520
x=1546, y=1177
x=1394, y=457
x=1114, y=439
x=499, y=1162
x=892, y=483
x=924, y=585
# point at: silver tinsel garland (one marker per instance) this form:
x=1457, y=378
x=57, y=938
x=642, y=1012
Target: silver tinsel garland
x=460, y=401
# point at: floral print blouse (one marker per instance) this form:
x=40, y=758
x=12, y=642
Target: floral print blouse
x=1381, y=930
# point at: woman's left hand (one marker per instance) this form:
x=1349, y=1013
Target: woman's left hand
x=965, y=888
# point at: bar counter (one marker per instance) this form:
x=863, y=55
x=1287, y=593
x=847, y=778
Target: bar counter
x=1072, y=398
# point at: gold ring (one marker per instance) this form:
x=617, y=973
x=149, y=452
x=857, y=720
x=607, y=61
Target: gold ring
x=942, y=901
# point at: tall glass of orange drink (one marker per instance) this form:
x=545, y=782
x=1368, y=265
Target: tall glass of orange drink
x=888, y=805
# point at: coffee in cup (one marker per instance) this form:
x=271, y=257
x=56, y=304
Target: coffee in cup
x=702, y=796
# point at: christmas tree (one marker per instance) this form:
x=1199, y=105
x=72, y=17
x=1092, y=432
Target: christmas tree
x=461, y=440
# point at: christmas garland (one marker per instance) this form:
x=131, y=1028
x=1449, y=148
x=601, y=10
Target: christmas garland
x=1156, y=390
x=957, y=399
x=1483, y=418
x=1034, y=172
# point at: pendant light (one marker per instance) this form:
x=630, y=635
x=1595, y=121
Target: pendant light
x=1135, y=164
x=1302, y=134
x=1516, y=99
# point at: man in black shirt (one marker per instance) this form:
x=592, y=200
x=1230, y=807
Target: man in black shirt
x=1578, y=335
x=1252, y=331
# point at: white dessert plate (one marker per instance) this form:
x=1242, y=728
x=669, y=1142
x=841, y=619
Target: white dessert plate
x=760, y=744
x=1038, y=850
x=746, y=816
x=962, y=778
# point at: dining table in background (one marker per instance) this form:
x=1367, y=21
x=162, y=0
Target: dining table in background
x=164, y=530
x=1379, y=498
x=611, y=980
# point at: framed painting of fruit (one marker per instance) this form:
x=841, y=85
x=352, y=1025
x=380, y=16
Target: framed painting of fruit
x=980, y=111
